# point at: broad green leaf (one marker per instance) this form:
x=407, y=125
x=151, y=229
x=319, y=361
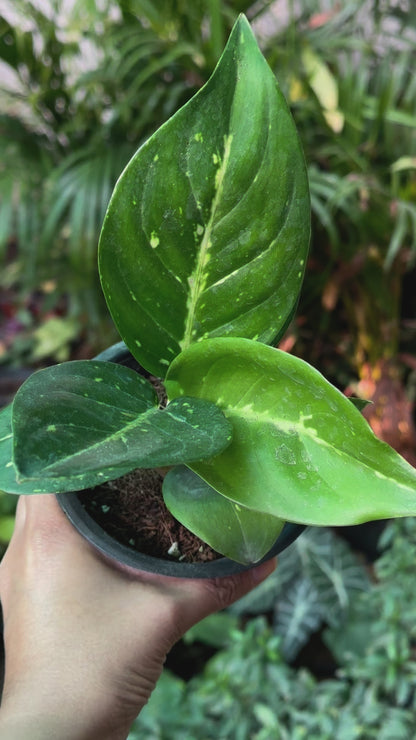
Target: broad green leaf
x=207, y=230
x=301, y=451
x=229, y=528
x=8, y=473
x=8, y=482
x=90, y=421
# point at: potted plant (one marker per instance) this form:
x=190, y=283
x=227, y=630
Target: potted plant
x=201, y=258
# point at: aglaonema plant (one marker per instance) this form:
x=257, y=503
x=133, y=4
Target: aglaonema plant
x=201, y=257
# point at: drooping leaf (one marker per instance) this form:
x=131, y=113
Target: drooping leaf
x=229, y=528
x=89, y=421
x=300, y=449
x=211, y=216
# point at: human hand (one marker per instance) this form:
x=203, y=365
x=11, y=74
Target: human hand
x=85, y=640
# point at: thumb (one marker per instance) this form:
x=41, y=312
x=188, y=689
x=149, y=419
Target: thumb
x=224, y=591
x=205, y=597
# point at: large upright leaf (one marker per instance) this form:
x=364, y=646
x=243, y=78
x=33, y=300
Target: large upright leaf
x=207, y=230
x=300, y=450
x=90, y=421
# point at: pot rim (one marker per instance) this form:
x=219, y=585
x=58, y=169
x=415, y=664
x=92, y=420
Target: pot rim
x=101, y=540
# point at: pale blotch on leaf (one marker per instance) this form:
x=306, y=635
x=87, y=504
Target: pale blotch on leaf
x=286, y=455
x=154, y=240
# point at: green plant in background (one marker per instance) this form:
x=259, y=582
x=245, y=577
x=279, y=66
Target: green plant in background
x=201, y=263
x=318, y=580
x=98, y=82
x=317, y=583
x=348, y=74
x=249, y=691
x=82, y=88
x=7, y=511
x=378, y=640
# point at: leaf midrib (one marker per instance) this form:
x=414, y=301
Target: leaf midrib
x=90, y=448
x=302, y=430
x=197, y=279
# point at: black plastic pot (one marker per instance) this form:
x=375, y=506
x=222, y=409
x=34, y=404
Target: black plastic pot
x=101, y=540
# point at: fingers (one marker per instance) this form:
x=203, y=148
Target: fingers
x=45, y=535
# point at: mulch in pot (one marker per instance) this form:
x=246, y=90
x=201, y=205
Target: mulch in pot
x=131, y=509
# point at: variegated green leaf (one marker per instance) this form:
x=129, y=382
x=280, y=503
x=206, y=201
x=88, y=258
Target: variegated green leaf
x=207, y=230
x=8, y=473
x=8, y=480
x=301, y=451
x=90, y=421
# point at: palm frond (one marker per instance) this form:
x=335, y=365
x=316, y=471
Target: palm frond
x=76, y=197
x=404, y=231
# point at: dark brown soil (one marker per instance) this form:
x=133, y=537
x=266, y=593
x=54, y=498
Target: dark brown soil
x=131, y=509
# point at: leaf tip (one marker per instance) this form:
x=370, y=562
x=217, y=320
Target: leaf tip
x=242, y=31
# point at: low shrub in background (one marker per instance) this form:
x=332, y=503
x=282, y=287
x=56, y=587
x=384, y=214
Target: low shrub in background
x=248, y=691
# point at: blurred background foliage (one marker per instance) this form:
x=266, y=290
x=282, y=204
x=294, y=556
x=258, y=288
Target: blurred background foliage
x=83, y=84
x=249, y=691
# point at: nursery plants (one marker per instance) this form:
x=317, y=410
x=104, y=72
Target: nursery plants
x=201, y=258
x=248, y=690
